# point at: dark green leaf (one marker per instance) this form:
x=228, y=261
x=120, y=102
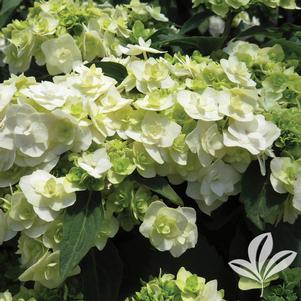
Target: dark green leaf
x=7, y=8
x=194, y=21
x=112, y=69
x=204, y=44
x=102, y=274
x=160, y=186
x=81, y=223
x=270, y=32
x=8, y=5
x=288, y=237
x=262, y=203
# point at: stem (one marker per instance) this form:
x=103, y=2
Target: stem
x=228, y=25
x=262, y=288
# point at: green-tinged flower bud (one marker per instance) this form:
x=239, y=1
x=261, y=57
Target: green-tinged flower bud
x=30, y=250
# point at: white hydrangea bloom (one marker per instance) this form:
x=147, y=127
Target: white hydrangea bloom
x=210, y=292
x=256, y=135
x=156, y=132
x=67, y=133
x=44, y=24
x=155, y=102
x=237, y=72
x=141, y=9
x=7, y=92
x=202, y=105
x=148, y=76
x=206, y=141
x=284, y=172
x=142, y=48
x=242, y=49
x=47, y=194
x=110, y=102
x=102, y=126
x=61, y=54
x=47, y=94
x=297, y=194
x=21, y=215
x=240, y=105
x=96, y=163
x=90, y=82
x=28, y=129
x=215, y=185
x=170, y=229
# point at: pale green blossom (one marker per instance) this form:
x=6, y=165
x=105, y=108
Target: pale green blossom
x=203, y=105
x=5, y=232
x=170, y=229
x=143, y=47
x=284, y=172
x=96, y=163
x=21, y=215
x=110, y=102
x=44, y=24
x=155, y=101
x=215, y=185
x=47, y=94
x=237, y=72
x=256, y=135
x=148, y=76
x=6, y=296
x=46, y=271
x=47, y=194
x=30, y=249
x=156, y=132
x=7, y=92
x=240, y=105
x=108, y=228
x=61, y=54
x=206, y=141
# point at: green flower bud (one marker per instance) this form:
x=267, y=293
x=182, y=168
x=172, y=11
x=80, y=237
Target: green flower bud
x=30, y=250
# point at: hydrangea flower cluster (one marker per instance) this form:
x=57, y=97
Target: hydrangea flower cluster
x=184, y=287
x=63, y=33
x=221, y=8
x=187, y=118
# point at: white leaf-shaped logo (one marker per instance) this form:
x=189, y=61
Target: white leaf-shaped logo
x=259, y=268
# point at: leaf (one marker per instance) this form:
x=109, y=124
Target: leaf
x=269, y=32
x=279, y=262
x=160, y=186
x=245, y=269
x=112, y=69
x=8, y=5
x=262, y=204
x=204, y=44
x=264, y=252
x=7, y=8
x=194, y=21
x=81, y=222
x=102, y=274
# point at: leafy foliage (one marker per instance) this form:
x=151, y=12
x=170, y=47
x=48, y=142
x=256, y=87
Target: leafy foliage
x=81, y=223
